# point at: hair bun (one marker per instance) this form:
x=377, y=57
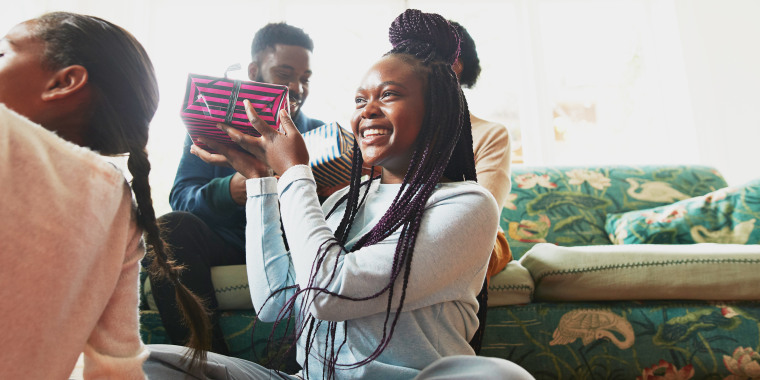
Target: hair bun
x=426, y=35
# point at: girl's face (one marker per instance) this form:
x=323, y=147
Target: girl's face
x=390, y=107
x=22, y=77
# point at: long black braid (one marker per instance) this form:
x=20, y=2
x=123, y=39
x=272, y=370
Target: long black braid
x=443, y=151
x=125, y=98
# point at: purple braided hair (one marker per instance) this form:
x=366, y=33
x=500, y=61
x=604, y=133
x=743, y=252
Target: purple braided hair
x=443, y=149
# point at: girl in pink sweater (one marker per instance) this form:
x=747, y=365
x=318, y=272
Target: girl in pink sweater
x=71, y=238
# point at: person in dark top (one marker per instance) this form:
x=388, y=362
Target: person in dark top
x=207, y=226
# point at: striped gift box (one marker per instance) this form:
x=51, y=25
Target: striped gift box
x=208, y=101
x=330, y=153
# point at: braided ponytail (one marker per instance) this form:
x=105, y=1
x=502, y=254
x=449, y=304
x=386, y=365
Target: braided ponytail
x=429, y=38
x=162, y=266
x=125, y=98
x=430, y=45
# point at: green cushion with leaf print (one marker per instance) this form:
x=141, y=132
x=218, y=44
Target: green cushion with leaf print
x=628, y=340
x=568, y=206
x=730, y=215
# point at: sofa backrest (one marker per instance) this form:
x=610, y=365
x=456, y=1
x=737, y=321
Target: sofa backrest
x=568, y=205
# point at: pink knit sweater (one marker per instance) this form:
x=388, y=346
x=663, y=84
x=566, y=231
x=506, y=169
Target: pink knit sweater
x=69, y=259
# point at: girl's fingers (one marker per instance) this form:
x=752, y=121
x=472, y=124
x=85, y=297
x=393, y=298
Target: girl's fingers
x=246, y=141
x=287, y=123
x=211, y=158
x=244, y=163
x=258, y=123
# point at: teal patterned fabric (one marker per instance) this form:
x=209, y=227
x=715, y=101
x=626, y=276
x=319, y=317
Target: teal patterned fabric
x=729, y=216
x=600, y=340
x=628, y=340
x=569, y=205
x=242, y=339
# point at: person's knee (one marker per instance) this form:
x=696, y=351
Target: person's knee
x=505, y=369
x=473, y=367
x=182, y=230
x=181, y=222
x=179, y=229
x=170, y=362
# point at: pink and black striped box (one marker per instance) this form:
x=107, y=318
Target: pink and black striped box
x=210, y=100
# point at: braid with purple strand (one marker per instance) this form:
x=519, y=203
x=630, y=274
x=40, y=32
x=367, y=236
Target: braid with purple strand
x=443, y=151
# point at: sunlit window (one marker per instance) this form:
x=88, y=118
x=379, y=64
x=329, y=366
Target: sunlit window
x=606, y=84
x=574, y=81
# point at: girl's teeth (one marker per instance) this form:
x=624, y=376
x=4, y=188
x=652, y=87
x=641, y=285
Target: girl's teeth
x=374, y=132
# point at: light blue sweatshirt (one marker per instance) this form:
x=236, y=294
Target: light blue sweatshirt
x=451, y=254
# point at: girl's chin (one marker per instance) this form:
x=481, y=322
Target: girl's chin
x=370, y=155
x=369, y=163
x=376, y=160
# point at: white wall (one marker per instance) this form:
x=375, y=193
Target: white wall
x=721, y=47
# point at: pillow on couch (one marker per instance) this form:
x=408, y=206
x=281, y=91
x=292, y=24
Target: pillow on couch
x=512, y=286
x=230, y=285
x=644, y=271
x=728, y=216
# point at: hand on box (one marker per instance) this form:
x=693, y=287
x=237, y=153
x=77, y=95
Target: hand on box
x=278, y=150
x=273, y=150
x=245, y=163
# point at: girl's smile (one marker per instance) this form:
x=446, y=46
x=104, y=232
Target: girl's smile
x=374, y=132
x=376, y=136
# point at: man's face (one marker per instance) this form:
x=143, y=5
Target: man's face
x=287, y=65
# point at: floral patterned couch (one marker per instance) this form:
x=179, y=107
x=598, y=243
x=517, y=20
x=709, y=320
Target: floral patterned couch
x=598, y=309
x=606, y=311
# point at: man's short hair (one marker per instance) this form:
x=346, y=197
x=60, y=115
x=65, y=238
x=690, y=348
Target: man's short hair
x=279, y=33
x=469, y=57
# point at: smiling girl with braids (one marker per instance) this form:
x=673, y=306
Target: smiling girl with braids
x=383, y=278
x=73, y=85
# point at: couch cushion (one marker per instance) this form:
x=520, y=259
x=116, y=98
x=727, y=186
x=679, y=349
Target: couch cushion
x=626, y=339
x=569, y=205
x=512, y=286
x=644, y=271
x=230, y=285
x=729, y=215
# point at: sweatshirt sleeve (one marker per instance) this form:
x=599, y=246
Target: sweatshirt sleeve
x=492, y=163
x=203, y=189
x=269, y=267
x=454, y=242
x=114, y=349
